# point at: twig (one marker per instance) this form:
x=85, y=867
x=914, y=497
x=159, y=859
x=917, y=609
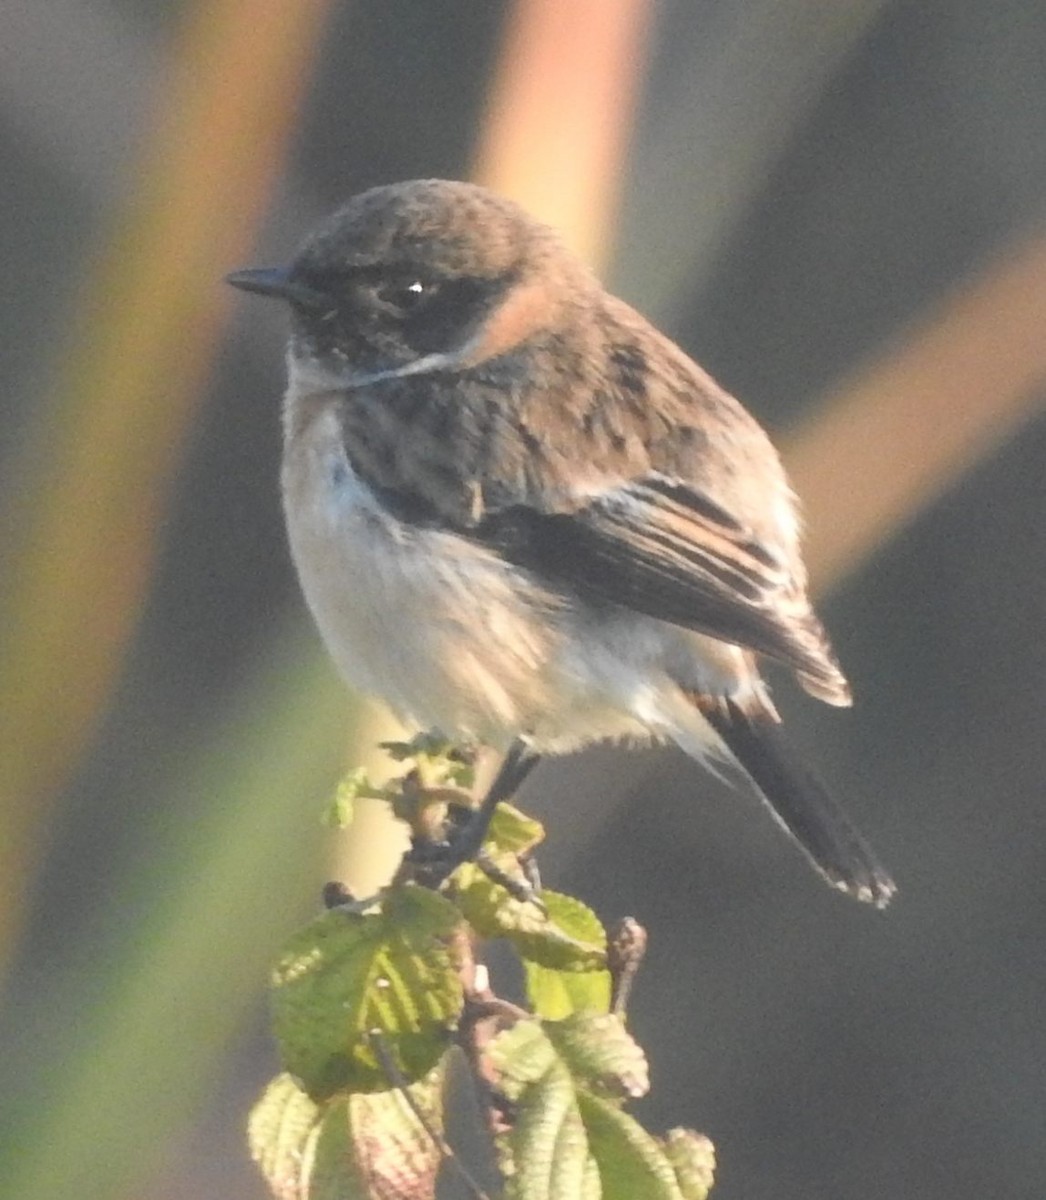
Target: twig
x=626, y=949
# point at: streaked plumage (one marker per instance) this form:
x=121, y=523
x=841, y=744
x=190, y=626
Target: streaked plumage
x=517, y=509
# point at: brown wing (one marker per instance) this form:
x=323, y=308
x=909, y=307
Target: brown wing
x=665, y=549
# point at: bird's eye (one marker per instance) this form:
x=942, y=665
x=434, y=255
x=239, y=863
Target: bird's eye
x=403, y=295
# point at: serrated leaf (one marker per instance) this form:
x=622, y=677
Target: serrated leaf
x=280, y=1133
x=372, y=1146
x=347, y=976
x=489, y=907
x=512, y=831
x=572, y=940
x=543, y=1155
x=564, y=934
x=554, y=995
x=632, y=1164
x=601, y=1054
x=692, y=1156
x=367, y=1146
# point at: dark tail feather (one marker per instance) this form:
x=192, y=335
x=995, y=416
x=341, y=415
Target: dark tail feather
x=801, y=803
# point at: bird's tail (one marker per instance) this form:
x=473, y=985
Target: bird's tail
x=802, y=804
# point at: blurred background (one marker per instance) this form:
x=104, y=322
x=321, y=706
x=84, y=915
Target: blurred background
x=837, y=206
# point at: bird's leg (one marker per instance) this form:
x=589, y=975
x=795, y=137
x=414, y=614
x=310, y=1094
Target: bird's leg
x=515, y=767
x=465, y=837
x=522, y=888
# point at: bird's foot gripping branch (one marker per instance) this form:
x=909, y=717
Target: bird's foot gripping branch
x=373, y=999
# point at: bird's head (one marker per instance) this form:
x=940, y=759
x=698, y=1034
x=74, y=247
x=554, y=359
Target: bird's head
x=420, y=277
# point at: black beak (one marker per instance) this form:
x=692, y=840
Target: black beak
x=277, y=281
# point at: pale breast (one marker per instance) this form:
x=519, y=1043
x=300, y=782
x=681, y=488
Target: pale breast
x=443, y=630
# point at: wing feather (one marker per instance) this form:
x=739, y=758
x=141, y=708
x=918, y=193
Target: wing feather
x=666, y=549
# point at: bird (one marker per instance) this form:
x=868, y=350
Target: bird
x=523, y=516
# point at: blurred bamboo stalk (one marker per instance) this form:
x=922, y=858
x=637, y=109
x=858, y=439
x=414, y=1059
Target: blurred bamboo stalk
x=553, y=137
x=148, y=321
x=560, y=113
x=718, y=130
x=185, y=943
x=911, y=423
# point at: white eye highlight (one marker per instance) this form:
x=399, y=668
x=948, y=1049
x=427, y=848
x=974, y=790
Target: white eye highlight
x=402, y=295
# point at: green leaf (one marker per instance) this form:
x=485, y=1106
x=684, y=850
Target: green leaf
x=692, y=1156
x=356, y=784
x=564, y=934
x=601, y=1054
x=632, y=1164
x=563, y=946
x=512, y=831
x=558, y=1129
x=543, y=1154
x=555, y=995
x=356, y=1147
x=347, y=976
x=280, y=1132
x=571, y=939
